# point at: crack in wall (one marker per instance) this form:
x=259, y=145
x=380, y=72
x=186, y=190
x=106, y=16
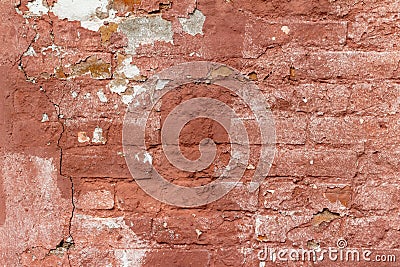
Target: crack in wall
x=68, y=243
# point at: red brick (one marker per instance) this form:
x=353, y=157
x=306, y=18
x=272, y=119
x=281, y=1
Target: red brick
x=180, y=228
x=239, y=198
x=317, y=98
x=375, y=99
x=340, y=130
x=374, y=31
x=130, y=197
x=274, y=228
x=330, y=65
x=326, y=163
x=284, y=194
x=263, y=34
x=377, y=196
x=95, y=161
x=94, y=196
x=294, y=9
x=384, y=162
x=36, y=133
x=69, y=34
x=331, y=82
x=349, y=65
x=291, y=130
x=179, y=258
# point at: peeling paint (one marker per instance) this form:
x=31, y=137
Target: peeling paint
x=91, y=13
x=118, y=86
x=97, y=68
x=148, y=158
x=82, y=137
x=129, y=70
x=107, y=30
x=38, y=7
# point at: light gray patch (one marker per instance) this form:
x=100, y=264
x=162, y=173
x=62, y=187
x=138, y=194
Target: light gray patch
x=145, y=30
x=194, y=24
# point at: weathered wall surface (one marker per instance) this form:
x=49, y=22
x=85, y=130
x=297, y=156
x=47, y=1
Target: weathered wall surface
x=69, y=69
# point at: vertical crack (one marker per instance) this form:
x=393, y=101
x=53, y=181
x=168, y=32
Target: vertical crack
x=70, y=239
x=68, y=243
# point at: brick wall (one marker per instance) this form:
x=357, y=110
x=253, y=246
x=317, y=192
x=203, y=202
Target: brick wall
x=329, y=71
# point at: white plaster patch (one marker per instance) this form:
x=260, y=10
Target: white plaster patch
x=87, y=96
x=127, y=99
x=118, y=86
x=194, y=24
x=99, y=228
x=130, y=257
x=147, y=158
x=285, y=29
x=98, y=136
x=102, y=96
x=137, y=90
x=145, y=30
x=30, y=52
x=30, y=179
x=37, y=8
x=161, y=84
x=45, y=117
x=53, y=48
x=128, y=69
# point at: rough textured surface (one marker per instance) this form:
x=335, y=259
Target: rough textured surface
x=330, y=73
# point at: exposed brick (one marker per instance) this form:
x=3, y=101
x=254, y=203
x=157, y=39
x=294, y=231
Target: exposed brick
x=280, y=194
x=240, y=198
x=70, y=35
x=263, y=34
x=317, y=98
x=96, y=162
x=291, y=130
x=202, y=229
x=374, y=31
x=274, y=228
x=36, y=133
x=329, y=71
x=349, y=65
x=375, y=99
x=95, y=195
x=380, y=162
x=169, y=257
x=330, y=65
x=131, y=198
x=342, y=130
x=377, y=196
x=328, y=163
